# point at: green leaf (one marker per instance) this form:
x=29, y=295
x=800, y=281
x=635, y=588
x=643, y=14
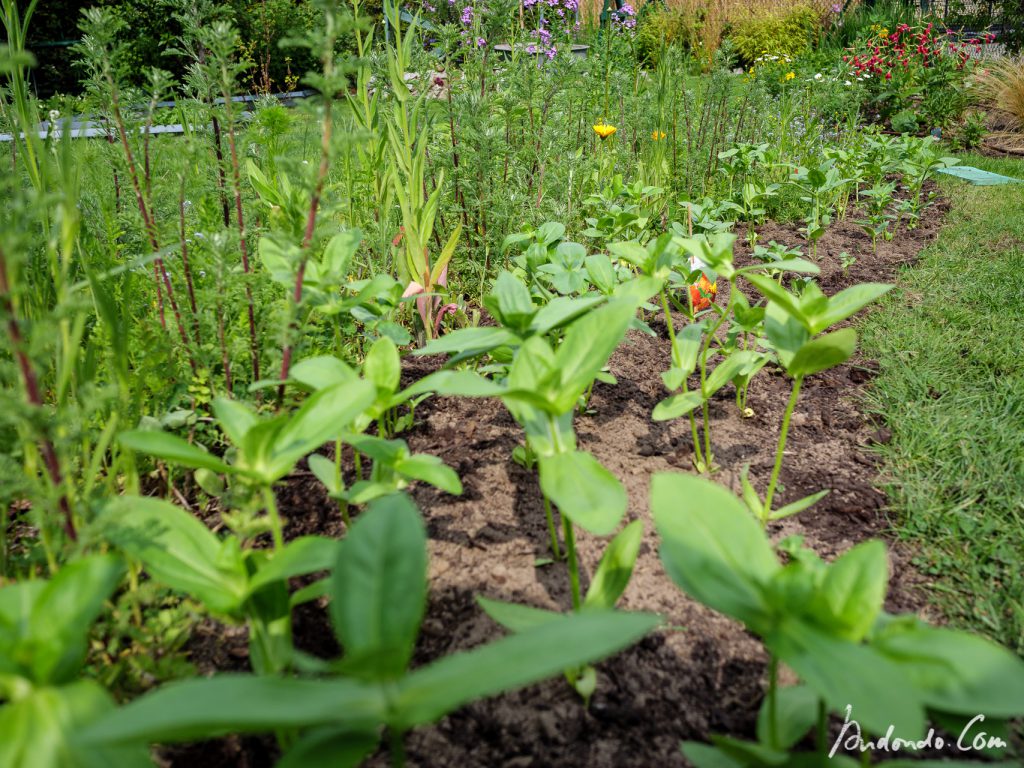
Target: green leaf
x=298, y=557
x=379, y=588
x=331, y=748
x=452, y=384
x=786, y=334
x=727, y=370
x=173, y=449
x=325, y=471
x=480, y=340
x=322, y=371
x=630, y=251
x=340, y=251
x=796, y=714
x=707, y=756
x=713, y=548
x=562, y=310
x=430, y=469
x=686, y=348
x=822, y=353
x=638, y=290
x=750, y=753
x=677, y=405
x=616, y=566
x=848, y=674
x=779, y=296
x=324, y=415
x=44, y=624
x=801, y=266
x=583, y=490
x=203, y=708
x=514, y=301
x=39, y=730
x=516, y=617
x=848, y=302
x=382, y=366
x=956, y=671
x=750, y=495
x=445, y=256
x=600, y=272
x=797, y=506
x=177, y=550
x=853, y=592
x=234, y=417
x=513, y=662
x=587, y=345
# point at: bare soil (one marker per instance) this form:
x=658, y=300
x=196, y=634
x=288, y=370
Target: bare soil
x=702, y=673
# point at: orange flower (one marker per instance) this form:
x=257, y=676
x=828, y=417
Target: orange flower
x=703, y=293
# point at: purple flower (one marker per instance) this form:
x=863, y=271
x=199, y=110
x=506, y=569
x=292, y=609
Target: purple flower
x=467, y=15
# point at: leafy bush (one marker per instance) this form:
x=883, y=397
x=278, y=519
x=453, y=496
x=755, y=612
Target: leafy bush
x=676, y=26
x=787, y=32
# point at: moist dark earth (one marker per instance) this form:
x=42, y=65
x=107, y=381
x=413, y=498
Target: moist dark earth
x=702, y=673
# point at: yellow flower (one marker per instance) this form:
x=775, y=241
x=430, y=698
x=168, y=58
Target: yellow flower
x=789, y=76
x=604, y=131
x=655, y=135
x=883, y=32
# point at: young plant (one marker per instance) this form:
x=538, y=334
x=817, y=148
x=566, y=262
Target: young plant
x=378, y=591
x=795, y=329
x=408, y=131
x=542, y=389
x=693, y=349
x=817, y=185
x=826, y=623
x=264, y=449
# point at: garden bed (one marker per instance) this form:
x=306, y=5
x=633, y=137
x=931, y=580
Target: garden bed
x=702, y=673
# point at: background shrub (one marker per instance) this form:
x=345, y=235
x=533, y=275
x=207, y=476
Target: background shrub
x=674, y=26
x=781, y=32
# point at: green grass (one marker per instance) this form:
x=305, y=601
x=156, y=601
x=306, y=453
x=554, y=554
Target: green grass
x=951, y=347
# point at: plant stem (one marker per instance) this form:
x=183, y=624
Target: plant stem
x=270, y=501
x=396, y=747
x=574, y=568
x=780, y=449
x=32, y=393
x=773, y=702
x=698, y=458
x=822, y=727
x=551, y=529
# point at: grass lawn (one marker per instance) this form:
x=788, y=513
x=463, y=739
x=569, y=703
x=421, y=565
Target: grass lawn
x=951, y=388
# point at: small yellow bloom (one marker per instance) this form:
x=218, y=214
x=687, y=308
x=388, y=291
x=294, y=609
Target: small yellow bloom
x=789, y=76
x=656, y=135
x=604, y=131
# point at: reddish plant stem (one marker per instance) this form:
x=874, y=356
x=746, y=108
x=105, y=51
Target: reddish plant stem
x=31, y=382
x=225, y=358
x=307, y=240
x=237, y=181
x=184, y=261
x=218, y=150
x=150, y=225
